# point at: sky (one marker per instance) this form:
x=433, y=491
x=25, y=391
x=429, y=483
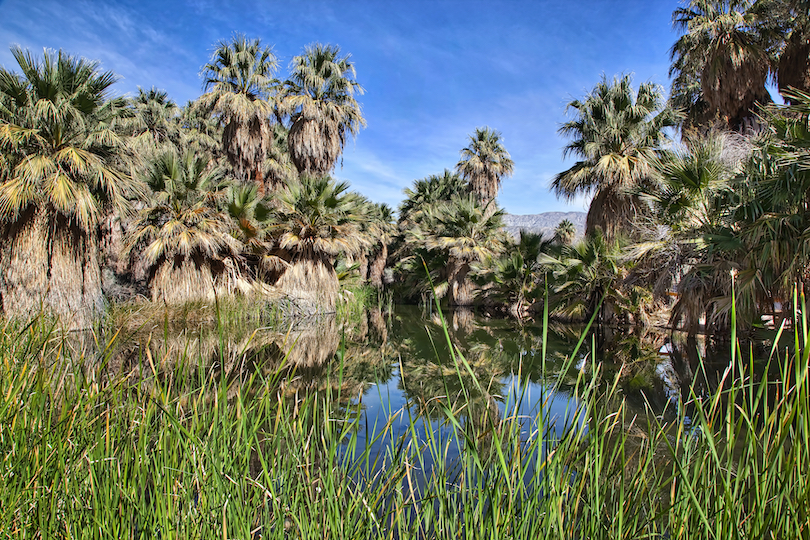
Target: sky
x=433, y=71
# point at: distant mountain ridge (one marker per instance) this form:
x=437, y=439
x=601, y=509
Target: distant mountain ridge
x=544, y=223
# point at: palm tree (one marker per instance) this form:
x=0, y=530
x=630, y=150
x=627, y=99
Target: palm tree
x=201, y=132
x=427, y=192
x=154, y=123
x=467, y=233
x=239, y=82
x=614, y=132
x=315, y=220
x=189, y=251
x=381, y=229
x=416, y=222
x=250, y=216
x=726, y=47
x=587, y=273
x=565, y=232
x=774, y=218
x=484, y=162
x=279, y=168
x=320, y=100
x=793, y=68
x=693, y=198
x=59, y=160
x=513, y=279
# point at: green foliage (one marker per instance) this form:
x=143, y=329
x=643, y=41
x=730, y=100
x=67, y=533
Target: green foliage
x=517, y=277
x=172, y=450
x=613, y=134
x=318, y=218
x=58, y=148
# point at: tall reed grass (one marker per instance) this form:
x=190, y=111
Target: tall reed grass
x=176, y=450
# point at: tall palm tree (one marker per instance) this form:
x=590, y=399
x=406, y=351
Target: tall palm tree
x=484, y=163
x=726, y=47
x=188, y=248
x=314, y=221
x=320, y=100
x=239, y=83
x=59, y=159
x=615, y=130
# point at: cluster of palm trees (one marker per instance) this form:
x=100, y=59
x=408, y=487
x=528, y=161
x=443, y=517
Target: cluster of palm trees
x=725, y=205
x=228, y=193
x=691, y=194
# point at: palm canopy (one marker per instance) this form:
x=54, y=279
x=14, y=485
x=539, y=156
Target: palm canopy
x=320, y=99
x=154, y=122
x=239, y=84
x=318, y=218
x=587, y=273
x=58, y=147
x=613, y=134
x=726, y=46
x=427, y=192
x=463, y=229
x=183, y=217
x=60, y=159
x=565, y=232
x=484, y=163
x=314, y=221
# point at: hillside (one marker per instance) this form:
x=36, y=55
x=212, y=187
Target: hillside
x=544, y=223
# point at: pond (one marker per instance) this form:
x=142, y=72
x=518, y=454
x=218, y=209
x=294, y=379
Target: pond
x=401, y=364
x=397, y=425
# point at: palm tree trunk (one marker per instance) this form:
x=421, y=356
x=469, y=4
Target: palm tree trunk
x=312, y=284
x=377, y=269
x=462, y=290
x=49, y=265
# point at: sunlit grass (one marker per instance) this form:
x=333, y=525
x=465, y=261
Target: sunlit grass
x=179, y=451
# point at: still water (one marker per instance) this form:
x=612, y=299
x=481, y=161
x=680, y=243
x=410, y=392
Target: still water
x=398, y=365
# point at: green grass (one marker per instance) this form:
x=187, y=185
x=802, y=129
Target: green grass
x=176, y=450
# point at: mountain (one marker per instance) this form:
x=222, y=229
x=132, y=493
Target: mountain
x=544, y=223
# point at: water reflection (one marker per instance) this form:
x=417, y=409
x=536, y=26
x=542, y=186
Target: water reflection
x=382, y=362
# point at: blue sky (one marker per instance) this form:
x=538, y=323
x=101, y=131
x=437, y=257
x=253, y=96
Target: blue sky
x=433, y=70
